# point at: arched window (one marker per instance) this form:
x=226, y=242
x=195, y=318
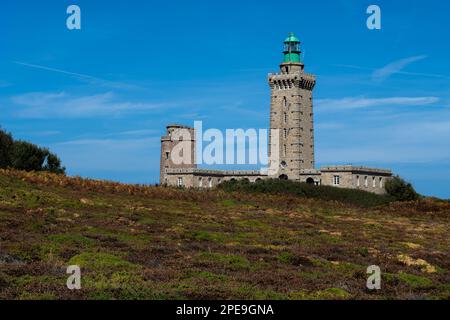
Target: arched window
x=284, y=102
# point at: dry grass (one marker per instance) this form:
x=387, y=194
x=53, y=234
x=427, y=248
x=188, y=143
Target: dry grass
x=141, y=242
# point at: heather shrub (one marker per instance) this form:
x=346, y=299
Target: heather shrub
x=349, y=196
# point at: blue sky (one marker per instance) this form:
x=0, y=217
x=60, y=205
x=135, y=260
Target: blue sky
x=100, y=97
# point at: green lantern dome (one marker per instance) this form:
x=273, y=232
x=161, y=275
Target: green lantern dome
x=291, y=49
x=291, y=38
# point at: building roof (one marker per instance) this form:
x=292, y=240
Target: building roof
x=291, y=38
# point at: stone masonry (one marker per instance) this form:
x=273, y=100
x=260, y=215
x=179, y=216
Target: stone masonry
x=291, y=112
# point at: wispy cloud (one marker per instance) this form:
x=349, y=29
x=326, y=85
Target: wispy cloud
x=96, y=155
x=142, y=132
x=361, y=102
x=63, y=105
x=394, y=67
x=113, y=143
x=408, y=142
x=44, y=133
x=80, y=76
x=418, y=74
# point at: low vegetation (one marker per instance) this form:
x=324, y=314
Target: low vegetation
x=401, y=190
x=328, y=193
x=143, y=242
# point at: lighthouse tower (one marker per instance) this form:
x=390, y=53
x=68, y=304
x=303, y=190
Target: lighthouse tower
x=291, y=112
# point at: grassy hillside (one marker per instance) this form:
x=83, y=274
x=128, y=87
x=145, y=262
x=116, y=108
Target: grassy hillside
x=135, y=242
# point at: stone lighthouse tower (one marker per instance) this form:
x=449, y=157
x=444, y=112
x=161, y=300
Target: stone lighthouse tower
x=291, y=112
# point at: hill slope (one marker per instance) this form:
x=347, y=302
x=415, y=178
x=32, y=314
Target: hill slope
x=154, y=243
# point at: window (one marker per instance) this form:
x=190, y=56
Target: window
x=374, y=183
x=167, y=155
x=285, y=117
x=381, y=182
x=336, y=180
x=357, y=181
x=210, y=184
x=366, y=181
x=200, y=182
x=180, y=181
x=284, y=150
x=284, y=102
x=285, y=133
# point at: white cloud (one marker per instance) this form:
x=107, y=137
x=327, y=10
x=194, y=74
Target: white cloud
x=142, y=132
x=119, y=155
x=360, y=102
x=411, y=141
x=63, y=105
x=394, y=67
x=83, y=77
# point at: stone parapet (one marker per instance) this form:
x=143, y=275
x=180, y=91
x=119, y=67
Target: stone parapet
x=355, y=169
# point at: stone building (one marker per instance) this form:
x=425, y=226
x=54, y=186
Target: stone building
x=291, y=152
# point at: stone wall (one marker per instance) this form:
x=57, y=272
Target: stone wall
x=177, y=136
x=203, y=179
x=362, y=178
x=291, y=112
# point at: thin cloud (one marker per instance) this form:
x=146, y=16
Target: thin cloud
x=419, y=74
x=112, y=143
x=80, y=76
x=394, y=67
x=82, y=156
x=409, y=141
x=359, y=103
x=63, y=105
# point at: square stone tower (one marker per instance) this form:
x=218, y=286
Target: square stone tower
x=291, y=112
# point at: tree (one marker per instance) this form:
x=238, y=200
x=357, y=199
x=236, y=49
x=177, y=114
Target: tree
x=53, y=164
x=6, y=145
x=26, y=156
x=401, y=190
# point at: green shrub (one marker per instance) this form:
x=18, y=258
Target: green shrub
x=26, y=156
x=6, y=144
x=350, y=196
x=401, y=190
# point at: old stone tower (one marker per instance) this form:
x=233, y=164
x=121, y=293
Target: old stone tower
x=178, y=138
x=291, y=141
x=291, y=112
